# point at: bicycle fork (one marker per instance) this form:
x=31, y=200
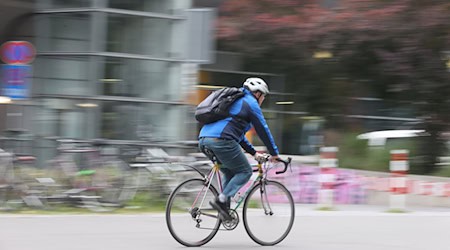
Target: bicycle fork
x=264, y=199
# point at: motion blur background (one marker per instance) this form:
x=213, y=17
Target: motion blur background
x=134, y=70
x=97, y=101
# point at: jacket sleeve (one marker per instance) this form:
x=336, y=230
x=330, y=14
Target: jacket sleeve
x=247, y=146
x=262, y=129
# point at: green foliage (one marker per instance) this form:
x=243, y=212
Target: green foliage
x=393, y=50
x=396, y=211
x=443, y=172
x=326, y=209
x=356, y=154
x=143, y=202
x=254, y=204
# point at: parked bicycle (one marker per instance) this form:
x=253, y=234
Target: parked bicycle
x=91, y=171
x=19, y=186
x=268, y=212
x=159, y=173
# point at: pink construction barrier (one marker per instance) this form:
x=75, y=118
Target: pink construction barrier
x=303, y=183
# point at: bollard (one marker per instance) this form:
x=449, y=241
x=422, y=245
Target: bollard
x=439, y=193
x=328, y=163
x=447, y=190
x=398, y=185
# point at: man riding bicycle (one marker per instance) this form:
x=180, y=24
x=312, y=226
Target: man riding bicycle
x=226, y=137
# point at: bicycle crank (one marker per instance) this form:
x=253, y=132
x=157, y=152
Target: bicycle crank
x=231, y=224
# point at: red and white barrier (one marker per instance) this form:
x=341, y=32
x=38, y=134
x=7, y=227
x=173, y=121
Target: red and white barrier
x=398, y=182
x=422, y=188
x=413, y=187
x=439, y=189
x=328, y=163
x=416, y=188
x=447, y=189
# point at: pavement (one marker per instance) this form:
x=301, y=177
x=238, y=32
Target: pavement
x=348, y=227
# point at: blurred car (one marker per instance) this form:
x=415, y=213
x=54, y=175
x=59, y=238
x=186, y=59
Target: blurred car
x=379, y=138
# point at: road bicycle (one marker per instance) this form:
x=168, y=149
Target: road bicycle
x=268, y=207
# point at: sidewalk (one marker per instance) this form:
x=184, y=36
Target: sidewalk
x=356, y=210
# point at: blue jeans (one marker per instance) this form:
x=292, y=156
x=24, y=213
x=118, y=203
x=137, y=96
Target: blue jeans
x=235, y=167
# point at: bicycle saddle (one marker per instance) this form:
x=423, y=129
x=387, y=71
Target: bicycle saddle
x=210, y=154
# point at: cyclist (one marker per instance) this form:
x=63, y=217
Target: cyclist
x=226, y=137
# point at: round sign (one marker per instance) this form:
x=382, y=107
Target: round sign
x=17, y=52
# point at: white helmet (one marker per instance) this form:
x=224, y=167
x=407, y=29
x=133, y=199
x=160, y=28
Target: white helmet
x=256, y=84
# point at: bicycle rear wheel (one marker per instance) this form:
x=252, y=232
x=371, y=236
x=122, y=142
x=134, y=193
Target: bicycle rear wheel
x=268, y=213
x=114, y=182
x=189, y=217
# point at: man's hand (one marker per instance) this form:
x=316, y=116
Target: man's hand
x=260, y=157
x=274, y=158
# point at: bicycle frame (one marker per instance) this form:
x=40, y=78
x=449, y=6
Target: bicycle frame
x=255, y=199
x=261, y=175
x=215, y=171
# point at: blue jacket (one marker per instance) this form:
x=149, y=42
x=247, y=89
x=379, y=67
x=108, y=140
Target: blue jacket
x=244, y=113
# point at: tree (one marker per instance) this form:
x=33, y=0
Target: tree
x=394, y=50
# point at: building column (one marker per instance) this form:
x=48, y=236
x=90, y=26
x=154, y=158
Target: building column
x=98, y=35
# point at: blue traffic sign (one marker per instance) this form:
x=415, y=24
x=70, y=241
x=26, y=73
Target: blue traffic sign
x=15, y=81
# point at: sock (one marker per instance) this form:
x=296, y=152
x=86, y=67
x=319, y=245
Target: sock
x=222, y=198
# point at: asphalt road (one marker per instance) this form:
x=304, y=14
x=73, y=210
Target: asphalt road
x=337, y=230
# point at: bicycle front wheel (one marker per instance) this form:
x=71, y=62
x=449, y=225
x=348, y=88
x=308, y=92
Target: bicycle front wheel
x=268, y=213
x=189, y=216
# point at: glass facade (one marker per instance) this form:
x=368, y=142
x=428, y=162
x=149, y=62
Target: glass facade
x=110, y=69
x=137, y=35
x=165, y=7
x=123, y=70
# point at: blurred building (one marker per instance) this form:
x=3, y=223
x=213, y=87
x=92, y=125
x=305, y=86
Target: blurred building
x=128, y=70
x=107, y=68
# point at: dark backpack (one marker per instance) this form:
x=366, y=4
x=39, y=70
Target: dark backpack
x=217, y=105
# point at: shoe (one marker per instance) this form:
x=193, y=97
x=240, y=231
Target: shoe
x=222, y=208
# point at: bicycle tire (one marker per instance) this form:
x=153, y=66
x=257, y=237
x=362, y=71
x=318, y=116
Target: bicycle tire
x=114, y=182
x=183, y=203
x=6, y=179
x=258, y=223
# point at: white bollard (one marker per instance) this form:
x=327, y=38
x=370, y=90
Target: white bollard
x=328, y=163
x=398, y=166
